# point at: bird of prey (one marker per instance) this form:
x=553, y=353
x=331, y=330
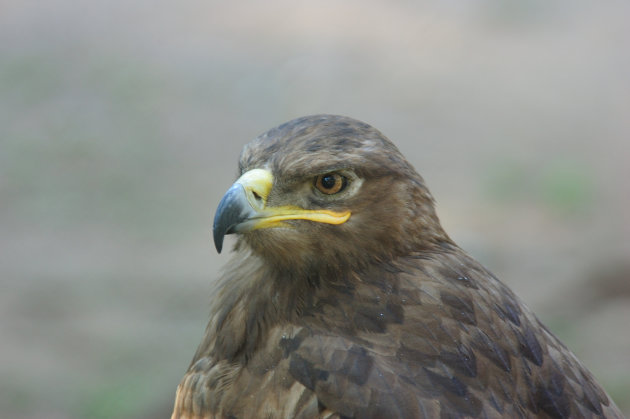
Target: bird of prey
x=346, y=298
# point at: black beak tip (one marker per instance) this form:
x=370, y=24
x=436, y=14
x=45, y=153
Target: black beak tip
x=218, y=243
x=218, y=236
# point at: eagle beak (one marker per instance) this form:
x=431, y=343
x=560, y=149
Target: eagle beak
x=244, y=208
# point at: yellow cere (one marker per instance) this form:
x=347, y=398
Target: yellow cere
x=257, y=182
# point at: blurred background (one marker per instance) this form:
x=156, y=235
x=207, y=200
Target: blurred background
x=121, y=124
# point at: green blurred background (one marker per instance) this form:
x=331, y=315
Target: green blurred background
x=121, y=124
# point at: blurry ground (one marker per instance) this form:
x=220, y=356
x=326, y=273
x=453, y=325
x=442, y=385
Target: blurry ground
x=121, y=123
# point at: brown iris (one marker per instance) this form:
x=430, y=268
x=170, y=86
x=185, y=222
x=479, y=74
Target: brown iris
x=330, y=183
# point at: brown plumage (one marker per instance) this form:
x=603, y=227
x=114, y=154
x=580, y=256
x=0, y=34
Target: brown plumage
x=346, y=298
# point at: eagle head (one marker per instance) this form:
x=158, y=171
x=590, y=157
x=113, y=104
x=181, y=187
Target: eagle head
x=312, y=186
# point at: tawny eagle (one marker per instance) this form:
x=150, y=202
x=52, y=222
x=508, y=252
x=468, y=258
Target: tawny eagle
x=346, y=298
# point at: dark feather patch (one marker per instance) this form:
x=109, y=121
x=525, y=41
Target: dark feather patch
x=461, y=403
x=461, y=307
x=512, y=312
x=463, y=361
x=357, y=365
x=395, y=313
x=370, y=318
x=491, y=350
x=451, y=384
x=305, y=372
x=495, y=403
x=555, y=405
x=529, y=346
x=289, y=345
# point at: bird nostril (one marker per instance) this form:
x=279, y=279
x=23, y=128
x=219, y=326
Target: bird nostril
x=258, y=197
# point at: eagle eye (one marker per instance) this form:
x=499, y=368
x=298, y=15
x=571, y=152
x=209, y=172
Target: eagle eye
x=331, y=183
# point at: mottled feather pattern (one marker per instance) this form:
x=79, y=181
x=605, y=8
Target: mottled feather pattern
x=407, y=353
x=381, y=317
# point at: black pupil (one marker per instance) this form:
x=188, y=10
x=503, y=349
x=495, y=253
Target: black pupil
x=328, y=181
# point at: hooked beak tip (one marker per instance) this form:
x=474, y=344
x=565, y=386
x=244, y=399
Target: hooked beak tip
x=232, y=210
x=218, y=241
